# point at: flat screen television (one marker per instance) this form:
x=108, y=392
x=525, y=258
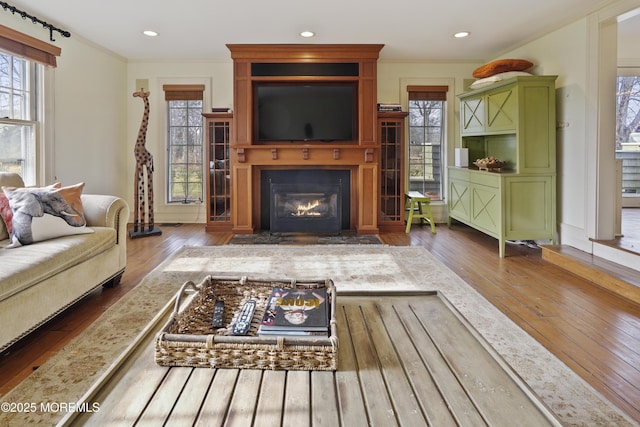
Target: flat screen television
x=294, y=112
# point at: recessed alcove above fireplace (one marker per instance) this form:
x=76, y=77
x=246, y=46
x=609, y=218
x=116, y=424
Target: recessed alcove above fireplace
x=305, y=200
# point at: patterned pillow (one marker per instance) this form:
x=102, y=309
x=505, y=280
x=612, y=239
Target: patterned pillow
x=45, y=213
x=5, y=212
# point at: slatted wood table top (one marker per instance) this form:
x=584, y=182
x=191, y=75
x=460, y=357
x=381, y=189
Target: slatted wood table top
x=404, y=359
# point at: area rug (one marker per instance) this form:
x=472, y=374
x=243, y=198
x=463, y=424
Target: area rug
x=66, y=376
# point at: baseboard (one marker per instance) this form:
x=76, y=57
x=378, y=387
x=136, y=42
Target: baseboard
x=614, y=277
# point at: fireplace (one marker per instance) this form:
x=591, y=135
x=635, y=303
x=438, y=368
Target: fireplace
x=305, y=201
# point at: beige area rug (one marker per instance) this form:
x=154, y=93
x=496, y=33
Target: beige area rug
x=66, y=376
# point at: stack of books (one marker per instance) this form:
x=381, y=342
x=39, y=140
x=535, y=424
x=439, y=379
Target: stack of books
x=300, y=312
x=389, y=107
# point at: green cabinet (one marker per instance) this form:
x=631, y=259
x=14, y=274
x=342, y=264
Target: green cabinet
x=514, y=121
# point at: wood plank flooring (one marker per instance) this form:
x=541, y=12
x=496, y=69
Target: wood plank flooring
x=594, y=332
x=402, y=361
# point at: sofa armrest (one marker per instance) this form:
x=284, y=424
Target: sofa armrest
x=106, y=211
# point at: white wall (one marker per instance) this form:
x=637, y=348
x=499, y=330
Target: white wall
x=393, y=79
x=564, y=53
x=218, y=80
x=86, y=139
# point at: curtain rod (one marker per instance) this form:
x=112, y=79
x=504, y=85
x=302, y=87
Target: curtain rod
x=35, y=20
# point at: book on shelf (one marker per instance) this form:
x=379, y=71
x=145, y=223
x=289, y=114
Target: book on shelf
x=296, y=312
x=389, y=107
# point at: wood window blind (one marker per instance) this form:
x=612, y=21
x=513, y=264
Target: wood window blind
x=427, y=93
x=183, y=92
x=28, y=47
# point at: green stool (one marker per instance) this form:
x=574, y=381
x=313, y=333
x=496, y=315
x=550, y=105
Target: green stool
x=418, y=206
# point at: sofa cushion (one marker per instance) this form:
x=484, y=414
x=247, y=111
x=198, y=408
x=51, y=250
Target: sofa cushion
x=45, y=213
x=27, y=265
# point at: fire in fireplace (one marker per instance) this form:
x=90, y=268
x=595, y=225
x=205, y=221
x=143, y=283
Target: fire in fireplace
x=305, y=201
x=294, y=208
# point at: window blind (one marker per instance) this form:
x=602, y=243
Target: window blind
x=427, y=93
x=183, y=92
x=28, y=47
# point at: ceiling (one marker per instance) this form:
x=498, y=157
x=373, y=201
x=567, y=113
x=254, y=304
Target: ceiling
x=409, y=29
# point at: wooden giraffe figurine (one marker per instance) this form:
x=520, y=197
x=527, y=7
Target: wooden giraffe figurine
x=144, y=160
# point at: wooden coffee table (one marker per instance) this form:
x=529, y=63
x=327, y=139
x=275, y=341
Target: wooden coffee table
x=405, y=359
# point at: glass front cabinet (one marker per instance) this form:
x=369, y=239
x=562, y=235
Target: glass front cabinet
x=218, y=188
x=391, y=130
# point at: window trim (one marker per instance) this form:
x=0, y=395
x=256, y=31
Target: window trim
x=437, y=93
x=451, y=132
x=182, y=92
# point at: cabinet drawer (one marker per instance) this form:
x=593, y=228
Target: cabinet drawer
x=489, y=179
x=459, y=173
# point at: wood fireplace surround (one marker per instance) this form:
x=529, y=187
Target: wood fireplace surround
x=361, y=156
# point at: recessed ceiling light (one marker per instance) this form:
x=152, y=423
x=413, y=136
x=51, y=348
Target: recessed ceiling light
x=307, y=34
x=149, y=33
x=461, y=34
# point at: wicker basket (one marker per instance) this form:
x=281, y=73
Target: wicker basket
x=187, y=339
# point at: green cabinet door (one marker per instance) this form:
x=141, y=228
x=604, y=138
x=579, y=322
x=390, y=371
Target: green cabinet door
x=472, y=115
x=459, y=199
x=502, y=111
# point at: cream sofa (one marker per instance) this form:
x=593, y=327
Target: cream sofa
x=40, y=280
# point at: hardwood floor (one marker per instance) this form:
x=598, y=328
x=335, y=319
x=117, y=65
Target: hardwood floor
x=594, y=332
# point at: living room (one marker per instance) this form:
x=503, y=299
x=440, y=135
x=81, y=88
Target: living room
x=95, y=116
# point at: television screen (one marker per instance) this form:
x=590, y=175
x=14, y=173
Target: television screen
x=304, y=112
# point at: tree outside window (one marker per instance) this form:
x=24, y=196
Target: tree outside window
x=628, y=131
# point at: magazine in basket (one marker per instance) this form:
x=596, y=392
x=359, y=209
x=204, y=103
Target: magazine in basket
x=297, y=311
x=189, y=339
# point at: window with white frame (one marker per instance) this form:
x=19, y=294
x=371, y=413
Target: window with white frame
x=184, y=135
x=427, y=112
x=18, y=115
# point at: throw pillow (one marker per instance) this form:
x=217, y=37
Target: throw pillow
x=501, y=66
x=5, y=212
x=496, y=78
x=45, y=213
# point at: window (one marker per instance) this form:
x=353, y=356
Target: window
x=18, y=115
x=185, y=159
x=22, y=100
x=628, y=130
x=427, y=112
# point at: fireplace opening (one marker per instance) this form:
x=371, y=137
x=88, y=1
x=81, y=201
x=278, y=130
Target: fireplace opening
x=293, y=208
x=306, y=201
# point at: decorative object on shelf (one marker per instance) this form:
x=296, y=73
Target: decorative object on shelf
x=144, y=160
x=462, y=157
x=489, y=163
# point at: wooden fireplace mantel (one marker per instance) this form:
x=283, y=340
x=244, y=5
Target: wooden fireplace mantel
x=361, y=155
